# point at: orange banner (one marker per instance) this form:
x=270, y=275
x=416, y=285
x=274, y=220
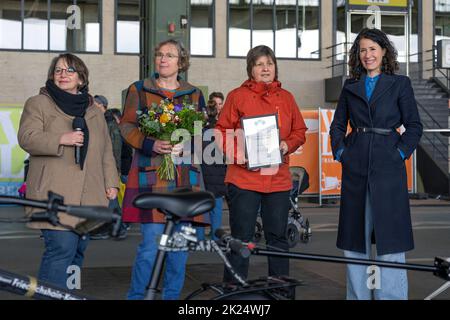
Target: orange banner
x=328, y=183
x=307, y=156
x=331, y=169
x=330, y=177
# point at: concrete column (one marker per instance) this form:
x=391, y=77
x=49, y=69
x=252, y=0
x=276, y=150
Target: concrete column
x=427, y=38
x=326, y=33
x=221, y=29
x=108, y=35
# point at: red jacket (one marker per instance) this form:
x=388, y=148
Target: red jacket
x=253, y=99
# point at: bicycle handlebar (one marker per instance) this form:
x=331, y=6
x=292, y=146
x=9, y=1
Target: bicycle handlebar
x=87, y=212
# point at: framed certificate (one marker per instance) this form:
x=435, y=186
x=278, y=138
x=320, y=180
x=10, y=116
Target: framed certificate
x=262, y=141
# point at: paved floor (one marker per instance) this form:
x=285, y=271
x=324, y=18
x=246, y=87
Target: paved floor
x=107, y=269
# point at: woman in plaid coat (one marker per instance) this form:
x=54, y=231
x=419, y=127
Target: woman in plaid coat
x=170, y=59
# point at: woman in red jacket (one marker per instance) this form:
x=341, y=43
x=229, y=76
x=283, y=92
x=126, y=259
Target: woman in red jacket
x=265, y=188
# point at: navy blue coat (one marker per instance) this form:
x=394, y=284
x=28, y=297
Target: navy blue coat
x=373, y=161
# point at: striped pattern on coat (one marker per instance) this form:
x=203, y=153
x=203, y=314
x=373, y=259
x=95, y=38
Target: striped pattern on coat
x=142, y=176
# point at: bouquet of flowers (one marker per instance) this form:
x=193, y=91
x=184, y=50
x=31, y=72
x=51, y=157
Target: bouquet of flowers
x=161, y=120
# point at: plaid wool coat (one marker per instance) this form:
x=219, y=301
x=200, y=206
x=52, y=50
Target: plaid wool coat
x=142, y=176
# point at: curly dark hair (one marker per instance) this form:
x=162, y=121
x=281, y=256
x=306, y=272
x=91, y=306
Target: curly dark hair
x=389, y=65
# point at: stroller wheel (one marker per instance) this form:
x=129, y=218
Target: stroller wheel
x=258, y=232
x=292, y=235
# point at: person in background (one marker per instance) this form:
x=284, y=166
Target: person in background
x=127, y=151
x=46, y=132
x=214, y=174
x=104, y=232
x=126, y=156
x=218, y=98
x=374, y=205
x=267, y=188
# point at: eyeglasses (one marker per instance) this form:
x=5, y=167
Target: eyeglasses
x=69, y=71
x=169, y=56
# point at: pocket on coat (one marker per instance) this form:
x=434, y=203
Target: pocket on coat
x=42, y=179
x=147, y=176
x=396, y=155
x=344, y=154
x=194, y=176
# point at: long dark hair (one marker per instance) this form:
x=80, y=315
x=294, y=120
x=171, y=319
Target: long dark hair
x=389, y=65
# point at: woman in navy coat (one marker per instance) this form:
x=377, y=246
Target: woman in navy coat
x=374, y=208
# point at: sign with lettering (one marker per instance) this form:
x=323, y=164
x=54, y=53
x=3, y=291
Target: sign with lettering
x=12, y=157
x=380, y=3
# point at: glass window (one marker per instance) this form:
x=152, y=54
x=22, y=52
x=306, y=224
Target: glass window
x=202, y=27
x=35, y=25
x=262, y=31
x=442, y=20
x=127, y=26
x=286, y=29
x=339, y=50
x=291, y=27
x=73, y=25
x=87, y=37
x=414, y=39
x=239, y=32
x=10, y=24
x=308, y=29
x=58, y=30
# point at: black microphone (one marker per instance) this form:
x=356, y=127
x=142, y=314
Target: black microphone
x=78, y=125
x=235, y=245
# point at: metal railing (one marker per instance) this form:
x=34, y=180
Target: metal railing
x=333, y=64
x=435, y=68
x=434, y=137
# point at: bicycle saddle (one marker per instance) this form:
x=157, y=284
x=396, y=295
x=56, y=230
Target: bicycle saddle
x=182, y=203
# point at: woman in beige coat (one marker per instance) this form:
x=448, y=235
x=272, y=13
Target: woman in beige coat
x=46, y=133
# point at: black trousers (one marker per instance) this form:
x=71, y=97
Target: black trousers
x=244, y=207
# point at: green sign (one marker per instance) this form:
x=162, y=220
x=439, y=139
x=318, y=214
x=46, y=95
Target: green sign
x=12, y=157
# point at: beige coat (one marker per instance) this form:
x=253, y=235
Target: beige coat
x=52, y=166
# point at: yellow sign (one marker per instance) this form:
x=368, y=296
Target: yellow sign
x=381, y=3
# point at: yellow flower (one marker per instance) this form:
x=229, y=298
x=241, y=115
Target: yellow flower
x=170, y=106
x=164, y=118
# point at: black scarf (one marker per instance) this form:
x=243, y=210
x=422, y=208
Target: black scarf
x=74, y=105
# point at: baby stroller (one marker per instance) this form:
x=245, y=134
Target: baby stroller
x=298, y=228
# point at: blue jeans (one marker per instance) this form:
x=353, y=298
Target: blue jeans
x=175, y=265
x=62, y=249
x=216, y=220
x=393, y=284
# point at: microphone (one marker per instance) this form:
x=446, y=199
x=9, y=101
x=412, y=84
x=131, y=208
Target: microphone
x=235, y=245
x=78, y=125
